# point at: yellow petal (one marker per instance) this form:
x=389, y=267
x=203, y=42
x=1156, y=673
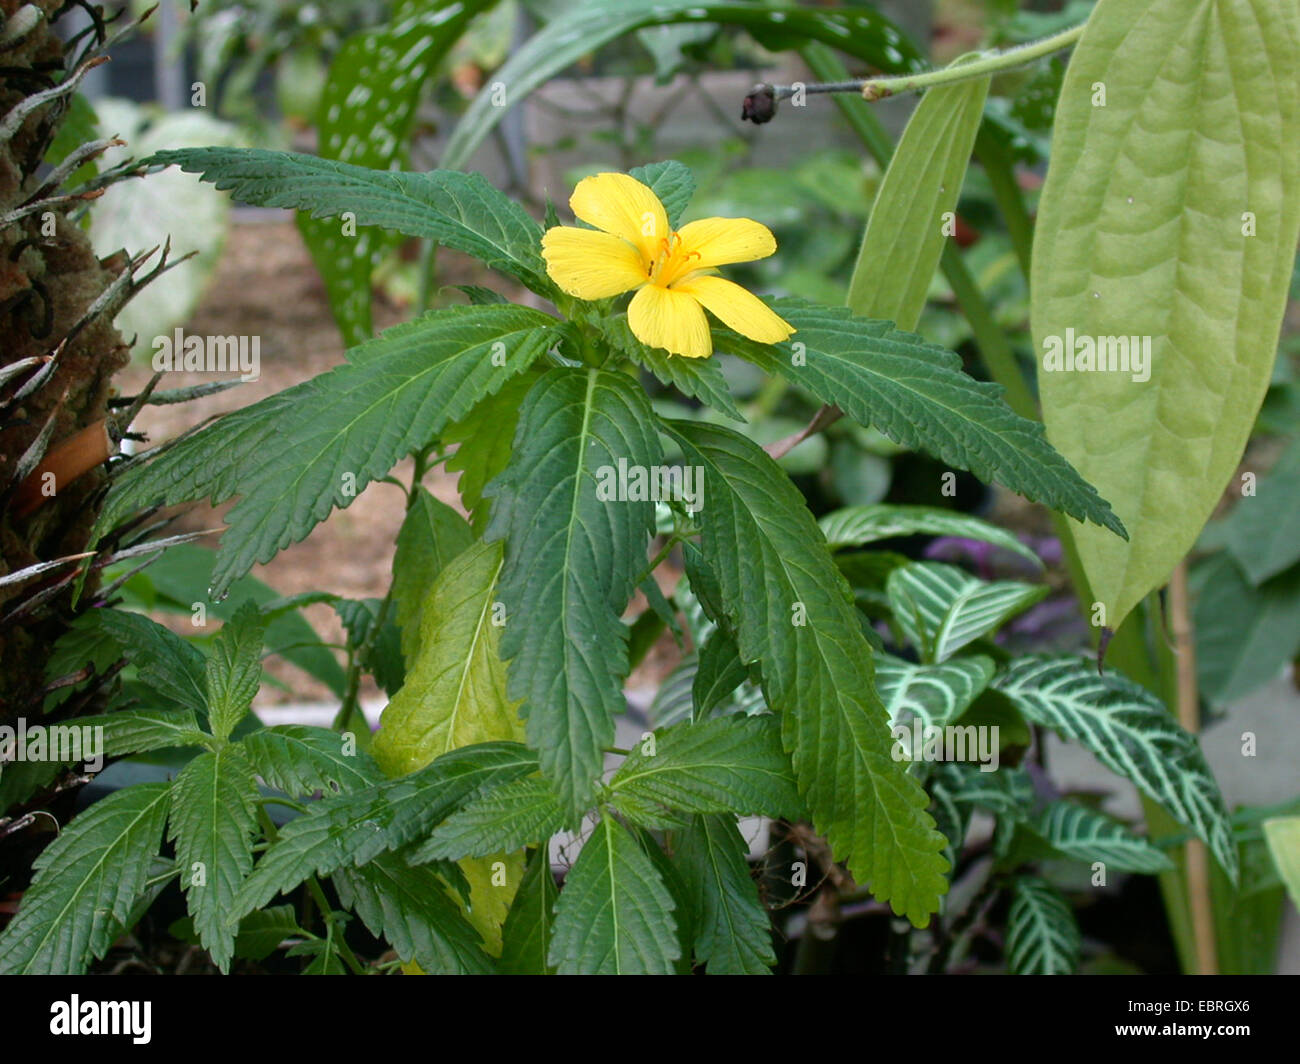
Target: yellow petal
x=718, y=241
x=591, y=265
x=736, y=308
x=619, y=204
x=672, y=320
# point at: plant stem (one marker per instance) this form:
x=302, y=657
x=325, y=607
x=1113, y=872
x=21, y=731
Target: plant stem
x=979, y=67
x=999, y=166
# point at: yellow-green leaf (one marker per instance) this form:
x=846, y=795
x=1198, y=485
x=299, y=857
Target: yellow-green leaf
x=1283, y=837
x=1170, y=213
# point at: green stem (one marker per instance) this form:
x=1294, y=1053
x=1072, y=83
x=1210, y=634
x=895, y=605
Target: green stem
x=983, y=66
x=999, y=166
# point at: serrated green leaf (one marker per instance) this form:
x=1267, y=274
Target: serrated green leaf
x=300, y=760
x=1042, y=937
x=1131, y=733
x=1143, y=233
x=86, y=881
x=261, y=933
x=455, y=690
x=942, y=608
x=719, y=671
x=234, y=669
x=733, y=933
x=572, y=560
x=459, y=211
x=432, y=534
x=937, y=694
x=295, y=456
x=857, y=526
x=411, y=910
x=725, y=765
x=166, y=662
x=583, y=28
x=526, y=937
x=1087, y=835
x=365, y=117
x=671, y=182
x=763, y=548
x=1282, y=834
x=353, y=829
x=213, y=822
x=615, y=915
x=486, y=435
x=918, y=195
x=506, y=818
x=699, y=378
x=916, y=394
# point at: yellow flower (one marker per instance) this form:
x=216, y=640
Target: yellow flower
x=671, y=271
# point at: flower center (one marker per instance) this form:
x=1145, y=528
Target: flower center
x=670, y=260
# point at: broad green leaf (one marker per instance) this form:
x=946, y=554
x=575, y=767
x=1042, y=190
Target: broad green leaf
x=137, y=731
x=615, y=915
x=1283, y=837
x=432, y=534
x=455, y=690
x=213, y=822
x=942, y=608
x=300, y=760
x=725, y=765
x=1131, y=733
x=526, y=937
x=1245, y=636
x=505, y=819
x=672, y=182
x=585, y=26
x=166, y=662
x=234, y=670
x=733, y=933
x=353, y=829
x=917, y=394
x=772, y=568
x=699, y=378
x=572, y=560
x=295, y=456
x=261, y=933
x=1157, y=225
x=411, y=909
x=86, y=881
x=1087, y=835
x=937, y=694
x=911, y=218
x=485, y=436
x=365, y=117
x=719, y=671
x=459, y=211
x=857, y=526
x=1042, y=937
x=1259, y=529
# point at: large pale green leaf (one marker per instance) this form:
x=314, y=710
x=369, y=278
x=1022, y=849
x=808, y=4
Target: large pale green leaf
x=365, y=116
x=213, y=821
x=432, y=534
x=856, y=526
x=572, y=560
x=615, y=915
x=584, y=27
x=733, y=933
x=455, y=690
x=941, y=608
x=1131, y=733
x=917, y=394
x=725, y=765
x=1042, y=937
x=354, y=828
x=1142, y=232
x=938, y=694
x=792, y=613
x=461, y=211
x=1088, y=835
x=1283, y=837
x=295, y=456
x=912, y=215
x=86, y=881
